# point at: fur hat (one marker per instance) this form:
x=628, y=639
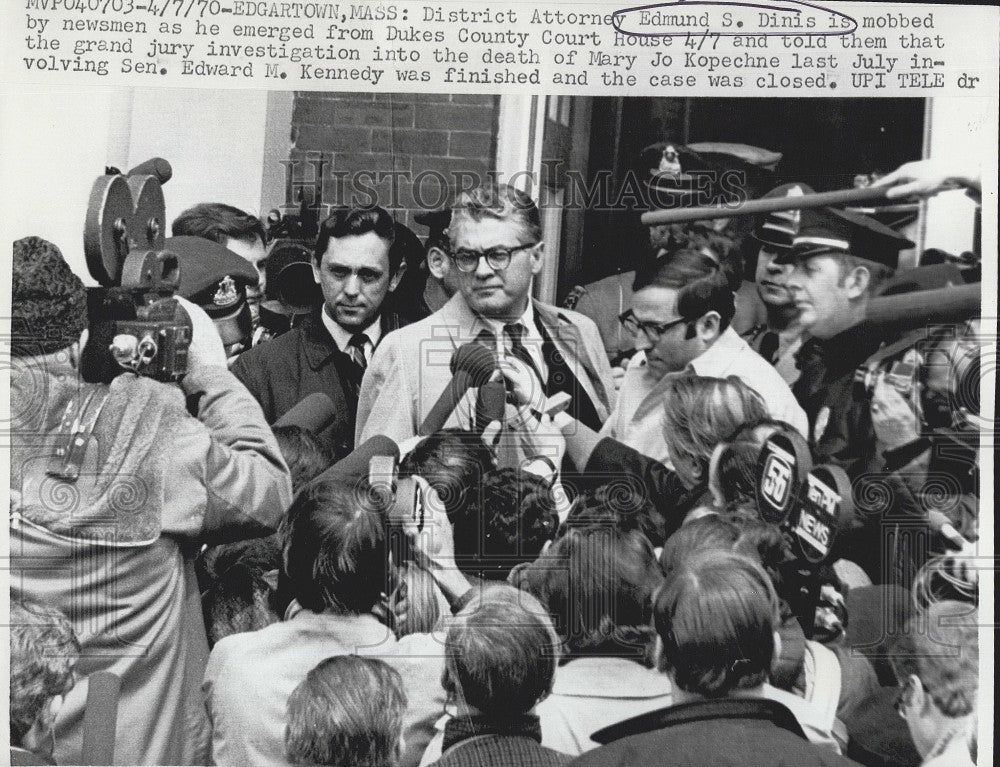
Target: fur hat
x=48, y=303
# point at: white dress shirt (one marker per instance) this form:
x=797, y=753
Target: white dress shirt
x=637, y=419
x=342, y=337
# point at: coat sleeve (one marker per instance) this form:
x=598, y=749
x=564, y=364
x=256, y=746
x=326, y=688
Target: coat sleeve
x=385, y=403
x=663, y=488
x=229, y=479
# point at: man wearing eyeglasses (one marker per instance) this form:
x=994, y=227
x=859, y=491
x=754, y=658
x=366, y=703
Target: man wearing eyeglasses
x=680, y=318
x=494, y=244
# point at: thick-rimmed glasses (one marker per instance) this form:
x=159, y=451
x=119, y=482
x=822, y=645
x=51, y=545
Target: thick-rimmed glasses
x=652, y=330
x=496, y=258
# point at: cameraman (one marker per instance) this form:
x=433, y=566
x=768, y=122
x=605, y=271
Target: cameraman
x=116, y=486
x=928, y=447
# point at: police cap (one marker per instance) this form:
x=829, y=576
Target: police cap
x=831, y=231
x=216, y=279
x=778, y=229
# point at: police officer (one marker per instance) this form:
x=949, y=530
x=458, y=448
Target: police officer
x=779, y=336
x=840, y=259
x=218, y=280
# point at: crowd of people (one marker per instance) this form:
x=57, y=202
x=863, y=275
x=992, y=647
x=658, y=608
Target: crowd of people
x=438, y=521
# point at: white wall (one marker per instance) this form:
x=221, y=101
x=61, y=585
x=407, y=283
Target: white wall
x=61, y=139
x=960, y=130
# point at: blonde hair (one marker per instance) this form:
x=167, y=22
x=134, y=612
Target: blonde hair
x=700, y=413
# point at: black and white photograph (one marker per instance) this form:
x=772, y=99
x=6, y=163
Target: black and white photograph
x=501, y=427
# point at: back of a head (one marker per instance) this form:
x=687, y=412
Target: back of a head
x=702, y=285
x=453, y=462
x=716, y=616
x=597, y=582
x=940, y=646
x=218, y=222
x=48, y=301
x=502, y=202
x=335, y=554
x=348, y=711
x=43, y=652
x=504, y=522
x=709, y=533
x=700, y=412
x=306, y=455
x=501, y=654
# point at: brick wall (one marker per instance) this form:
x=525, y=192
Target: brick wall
x=418, y=138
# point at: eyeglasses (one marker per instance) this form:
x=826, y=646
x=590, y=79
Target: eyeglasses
x=496, y=258
x=652, y=330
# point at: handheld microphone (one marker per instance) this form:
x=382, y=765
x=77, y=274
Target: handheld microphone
x=471, y=366
x=356, y=464
x=314, y=412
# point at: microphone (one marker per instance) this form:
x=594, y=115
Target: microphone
x=314, y=412
x=100, y=718
x=156, y=167
x=355, y=465
x=939, y=523
x=471, y=365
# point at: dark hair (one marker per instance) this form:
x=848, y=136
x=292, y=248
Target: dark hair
x=736, y=464
x=347, y=711
x=43, y=652
x=353, y=222
x=306, y=455
x=238, y=600
x=702, y=285
x=335, y=554
x=506, y=523
x=501, y=654
x=217, y=222
x=454, y=463
x=597, y=582
x=708, y=533
x=497, y=201
x=716, y=616
x=941, y=648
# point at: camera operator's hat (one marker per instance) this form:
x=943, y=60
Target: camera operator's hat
x=779, y=228
x=830, y=231
x=216, y=279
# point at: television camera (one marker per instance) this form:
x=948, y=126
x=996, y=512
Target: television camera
x=292, y=292
x=135, y=322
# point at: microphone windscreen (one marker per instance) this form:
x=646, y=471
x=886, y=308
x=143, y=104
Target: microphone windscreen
x=313, y=412
x=355, y=465
x=476, y=360
x=155, y=166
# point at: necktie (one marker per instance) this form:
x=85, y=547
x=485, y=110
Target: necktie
x=356, y=350
x=769, y=346
x=514, y=334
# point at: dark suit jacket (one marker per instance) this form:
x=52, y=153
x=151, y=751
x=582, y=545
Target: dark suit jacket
x=280, y=372
x=731, y=732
